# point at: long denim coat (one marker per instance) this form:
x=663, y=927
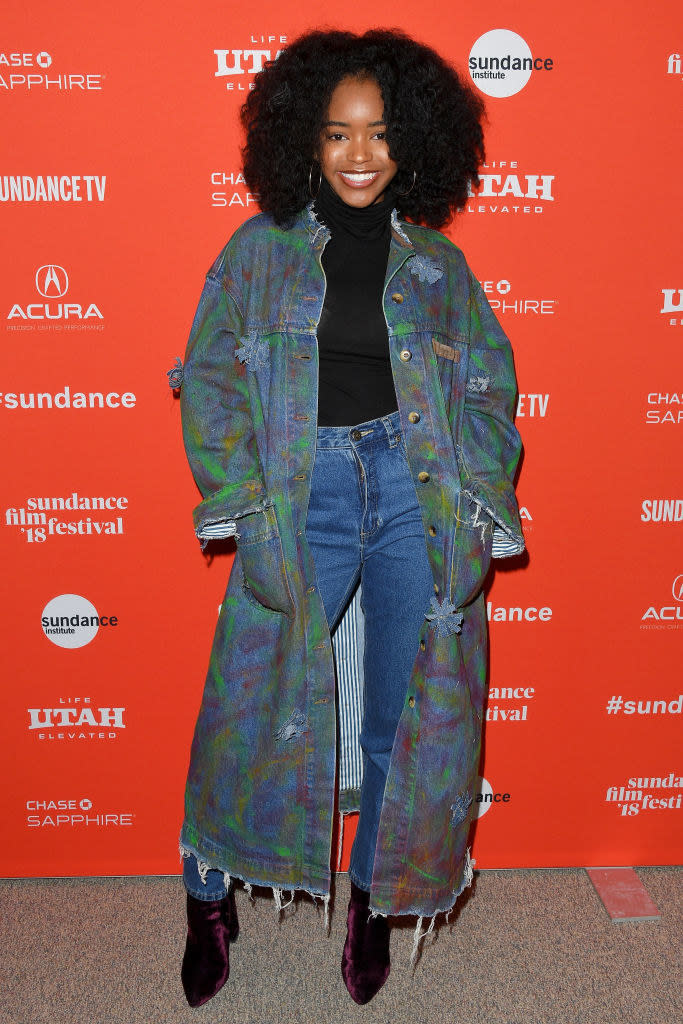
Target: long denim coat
x=261, y=787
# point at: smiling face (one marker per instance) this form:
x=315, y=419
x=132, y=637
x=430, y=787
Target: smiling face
x=353, y=152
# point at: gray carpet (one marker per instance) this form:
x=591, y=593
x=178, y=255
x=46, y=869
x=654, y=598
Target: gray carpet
x=528, y=947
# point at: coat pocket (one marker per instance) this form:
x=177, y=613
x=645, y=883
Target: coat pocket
x=472, y=546
x=259, y=550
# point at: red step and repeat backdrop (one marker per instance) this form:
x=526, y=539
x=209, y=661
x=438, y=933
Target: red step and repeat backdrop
x=120, y=181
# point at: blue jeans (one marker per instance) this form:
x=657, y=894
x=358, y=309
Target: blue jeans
x=364, y=523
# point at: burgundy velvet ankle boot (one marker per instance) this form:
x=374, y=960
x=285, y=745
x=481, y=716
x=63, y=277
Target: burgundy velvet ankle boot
x=211, y=926
x=365, y=961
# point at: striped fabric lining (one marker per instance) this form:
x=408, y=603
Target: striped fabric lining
x=348, y=645
x=503, y=547
x=217, y=531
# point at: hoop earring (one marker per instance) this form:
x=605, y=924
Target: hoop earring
x=310, y=183
x=411, y=187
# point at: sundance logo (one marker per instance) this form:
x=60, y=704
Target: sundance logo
x=501, y=63
x=72, y=621
x=517, y=614
x=67, y=399
x=485, y=797
x=52, y=283
x=72, y=813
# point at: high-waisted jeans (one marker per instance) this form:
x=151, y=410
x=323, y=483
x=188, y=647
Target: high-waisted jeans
x=364, y=523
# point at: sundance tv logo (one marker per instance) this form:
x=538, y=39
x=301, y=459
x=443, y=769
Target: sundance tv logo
x=501, y=63
x=52, y=188
x=237, y=67
x=52, y=284
x=72, y=621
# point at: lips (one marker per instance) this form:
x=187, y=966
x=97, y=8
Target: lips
x=358, y=179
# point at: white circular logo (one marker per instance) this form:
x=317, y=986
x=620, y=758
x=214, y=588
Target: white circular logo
x=43, y=59
x=52, y=281
x=485, y=795
x=70, y=621
x=85, y=804
x=503, y=287
x=677, y=588
x=500, y=62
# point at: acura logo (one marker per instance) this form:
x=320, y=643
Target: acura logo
x=52, y=281
x=677, y=588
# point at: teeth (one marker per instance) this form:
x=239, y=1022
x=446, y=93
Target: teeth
x=358, y=176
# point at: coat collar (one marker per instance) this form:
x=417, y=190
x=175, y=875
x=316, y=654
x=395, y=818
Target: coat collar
x=322, y=232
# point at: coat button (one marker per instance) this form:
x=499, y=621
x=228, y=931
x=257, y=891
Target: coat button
x=423, y=645
x=411, y=702
x=423, y=477
x=406, y=355
x=432, y=531
x=397, y=297
x=356, y=435
x=414, y=417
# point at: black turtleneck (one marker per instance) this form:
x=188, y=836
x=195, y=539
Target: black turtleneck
x=355, y=383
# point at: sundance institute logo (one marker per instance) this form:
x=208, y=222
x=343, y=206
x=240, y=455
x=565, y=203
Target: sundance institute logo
x=70, y=620
x=501, y=63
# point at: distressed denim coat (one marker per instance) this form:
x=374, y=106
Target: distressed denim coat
x=260, y=793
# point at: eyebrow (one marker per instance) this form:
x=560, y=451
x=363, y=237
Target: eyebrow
x=345, y=124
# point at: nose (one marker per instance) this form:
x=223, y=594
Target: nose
x=359, y=149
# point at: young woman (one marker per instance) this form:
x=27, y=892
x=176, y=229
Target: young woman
x=347, y=412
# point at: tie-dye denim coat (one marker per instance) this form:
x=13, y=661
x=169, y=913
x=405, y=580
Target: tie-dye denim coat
x=260, y=793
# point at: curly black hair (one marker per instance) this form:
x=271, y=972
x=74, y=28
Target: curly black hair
x=434, y=121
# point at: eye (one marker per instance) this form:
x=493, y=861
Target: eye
x=381, y=135
x=336, y=137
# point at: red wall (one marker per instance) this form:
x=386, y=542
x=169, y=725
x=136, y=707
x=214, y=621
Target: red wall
x=582, y=762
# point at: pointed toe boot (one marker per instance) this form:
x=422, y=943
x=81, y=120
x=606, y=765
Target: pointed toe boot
x=211, y=926
x=365, y=962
